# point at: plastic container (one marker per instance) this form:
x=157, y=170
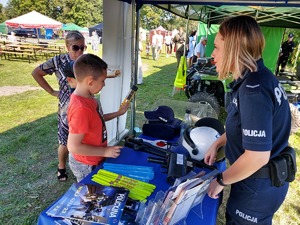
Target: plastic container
x=187, y=121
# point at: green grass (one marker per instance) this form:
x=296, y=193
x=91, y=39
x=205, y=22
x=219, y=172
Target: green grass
x=28, y=141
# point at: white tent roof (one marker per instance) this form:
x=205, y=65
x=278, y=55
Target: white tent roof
x=33, y=20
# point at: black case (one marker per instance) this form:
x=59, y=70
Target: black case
x=290, y=156
x=278, y=171
x=161, y=130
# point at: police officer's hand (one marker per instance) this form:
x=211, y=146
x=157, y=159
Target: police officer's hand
x=211, y=154
x=214, y=189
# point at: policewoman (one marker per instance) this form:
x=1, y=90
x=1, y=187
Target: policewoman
x=257, y=125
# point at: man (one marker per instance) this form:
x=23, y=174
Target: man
x=199, y=51
x=159, y=43
x=154, y=45
x=179, y=39
x=286, y=49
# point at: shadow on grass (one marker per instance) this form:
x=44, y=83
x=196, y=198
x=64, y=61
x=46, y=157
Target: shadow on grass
x=157, y=85
x=28, y=167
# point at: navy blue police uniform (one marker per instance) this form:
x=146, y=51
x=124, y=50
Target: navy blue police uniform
x=258, y=119
x=286, y=49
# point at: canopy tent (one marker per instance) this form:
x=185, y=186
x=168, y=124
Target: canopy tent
x=3, y=28
x=143, y=33
x=98, y=28
x=122, y=34
x=33, y=20
x=160, y=28
x=265, y=16
x=71, y=26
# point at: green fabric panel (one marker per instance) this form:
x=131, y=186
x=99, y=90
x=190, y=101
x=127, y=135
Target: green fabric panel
x=3, y=28
x=273, y=37
x=212, y=32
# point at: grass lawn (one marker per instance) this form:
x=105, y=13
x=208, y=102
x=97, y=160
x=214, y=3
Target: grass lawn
x=28, y=141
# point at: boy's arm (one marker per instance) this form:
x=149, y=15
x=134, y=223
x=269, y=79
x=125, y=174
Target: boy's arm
x=123, y=108
x=76, y=146
x=115, y=73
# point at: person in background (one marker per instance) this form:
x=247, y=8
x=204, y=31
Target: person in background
x=191, y=47
x=148, y=48
x=168, y=43
x=154, y=45
x=258, y=125
x=12, y=37
x=95, y=42
x=160, y=40
x=180, y=52
x=87, y=140
x=285, y=51
x=199, y=51
x=179, y=39
x=140, y=65
x=75, y=45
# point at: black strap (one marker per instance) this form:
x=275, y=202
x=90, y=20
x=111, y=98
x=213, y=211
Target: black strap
x=263, y=172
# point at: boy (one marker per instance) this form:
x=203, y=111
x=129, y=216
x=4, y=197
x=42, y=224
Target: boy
x=87, y=140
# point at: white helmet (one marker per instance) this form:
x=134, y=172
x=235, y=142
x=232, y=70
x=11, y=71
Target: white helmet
x=197, y=140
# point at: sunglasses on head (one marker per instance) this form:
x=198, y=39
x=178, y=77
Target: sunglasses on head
x=77, y=48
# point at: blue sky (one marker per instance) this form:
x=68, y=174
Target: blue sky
x=3, y=2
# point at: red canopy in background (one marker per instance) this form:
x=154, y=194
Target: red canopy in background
x=162, y=30
x=33, y=20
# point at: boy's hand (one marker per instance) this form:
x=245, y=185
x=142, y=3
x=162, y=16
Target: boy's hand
x=113, y=151
x=117, y=73
x=124, y=107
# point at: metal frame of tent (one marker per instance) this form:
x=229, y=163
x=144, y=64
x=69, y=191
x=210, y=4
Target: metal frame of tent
x=282, y=13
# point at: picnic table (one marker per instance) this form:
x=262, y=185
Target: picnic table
x=17, y=51
x=30, y=51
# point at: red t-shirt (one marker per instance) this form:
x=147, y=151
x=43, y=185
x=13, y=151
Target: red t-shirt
x=84, y=118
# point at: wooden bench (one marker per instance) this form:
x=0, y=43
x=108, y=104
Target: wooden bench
x=9, y=54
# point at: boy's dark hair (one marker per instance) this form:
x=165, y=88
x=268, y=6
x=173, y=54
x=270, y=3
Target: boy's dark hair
x=89, y=65
x=68, y=70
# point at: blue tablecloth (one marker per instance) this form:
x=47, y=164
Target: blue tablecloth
x=205, y=213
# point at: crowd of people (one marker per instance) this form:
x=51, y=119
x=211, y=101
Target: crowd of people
x=177, y=44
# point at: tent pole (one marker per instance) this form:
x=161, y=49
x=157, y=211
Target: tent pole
x=186, y=28
x=296, y=61
x=135, y=49
x=37, y=34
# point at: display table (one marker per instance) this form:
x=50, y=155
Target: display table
x=205, y=213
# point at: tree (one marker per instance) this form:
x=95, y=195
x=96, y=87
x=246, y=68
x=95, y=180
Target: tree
x=152, y=17
x=2, y=15
x=80, y=12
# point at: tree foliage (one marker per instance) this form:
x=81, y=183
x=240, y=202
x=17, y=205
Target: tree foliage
x=152, y=17
x=2, y=15
x=81, y=12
